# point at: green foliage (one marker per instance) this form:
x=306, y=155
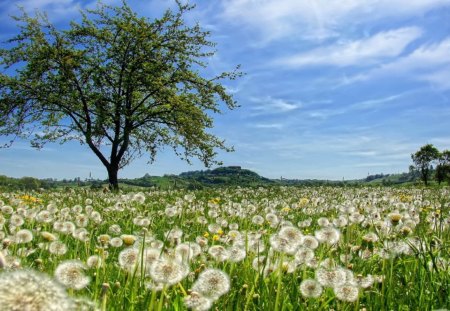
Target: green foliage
x=443, y=167
x=423, y=159
x=116, y=80
x=24, y=183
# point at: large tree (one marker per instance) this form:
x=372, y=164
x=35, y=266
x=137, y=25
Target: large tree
x=122, y=84
x=423, y=160
x=443, y=167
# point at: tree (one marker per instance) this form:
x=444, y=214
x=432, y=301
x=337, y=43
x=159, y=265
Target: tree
x=121, y=84
x=423, y=160
x=443, y=167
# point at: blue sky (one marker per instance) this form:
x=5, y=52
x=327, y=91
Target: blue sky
x=333, y=88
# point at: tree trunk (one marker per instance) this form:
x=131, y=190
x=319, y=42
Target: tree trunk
x=112, y=177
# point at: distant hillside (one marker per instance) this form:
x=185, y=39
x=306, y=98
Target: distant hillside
x=218, y=177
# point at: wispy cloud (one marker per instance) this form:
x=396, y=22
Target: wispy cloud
x=428, y=62
x=269, y=105
x=387, y=44
x=319, y=19
x=277, y=126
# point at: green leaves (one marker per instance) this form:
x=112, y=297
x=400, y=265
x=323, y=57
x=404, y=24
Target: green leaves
x=115, y=79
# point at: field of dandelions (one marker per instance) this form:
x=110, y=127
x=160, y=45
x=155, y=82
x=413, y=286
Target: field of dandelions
x=230, y=249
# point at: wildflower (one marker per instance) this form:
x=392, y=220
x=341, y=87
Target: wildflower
x=395, y=218
x=44, y=216
x=304, y=254
x=174, y=235
x=94, y=261
x=212, y=283
x=310, y=288
x=214, y=228
x=282, y=244
x=168, y=271
x=310, y=242
x=57, y=248
x=30, y=290
x=115, y=229
x=23, y=236
x=346, y=292
x=128, y=259
x=364, y=282
x=272, y=219
x=96, y=217
x=258, y=220
x=139, y=197
x=81, y=234
x=16, y=220
x=48, y=236
x=170, y=211
x=2, y=261
x=6, y=209
x=82, y=220
x=292, y=234
x=152, y=286
x=330, y=277
x=323, y=222
x=202, y=240
x=71, y=274
x=219, y=253
x=197, y=302
x=237, y=254
x=116, y=242
x=103, y=239
x=328, y=235
x=184, y=251
x=149, y=257
x=128, y=239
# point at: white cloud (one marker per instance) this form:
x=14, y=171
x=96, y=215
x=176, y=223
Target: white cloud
x=365, y=51
x=318, y=19
x=429, y=63
x=439, y=79
x=269, y=105
x=277, y=126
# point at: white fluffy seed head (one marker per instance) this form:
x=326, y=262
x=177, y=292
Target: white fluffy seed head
x=29, y=290
x=212, y=283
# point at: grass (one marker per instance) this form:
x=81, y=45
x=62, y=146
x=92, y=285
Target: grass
x=405, y=267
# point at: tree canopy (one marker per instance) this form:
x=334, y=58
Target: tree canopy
x=122, y=84
x=423, y=160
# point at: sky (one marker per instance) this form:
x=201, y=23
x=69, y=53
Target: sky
x=333, y=89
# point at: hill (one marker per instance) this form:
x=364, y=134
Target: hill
x=228, y=176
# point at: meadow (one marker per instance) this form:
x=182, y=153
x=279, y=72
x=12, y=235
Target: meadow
x=274, y=248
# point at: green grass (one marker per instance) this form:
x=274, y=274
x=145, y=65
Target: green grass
x=409, y=262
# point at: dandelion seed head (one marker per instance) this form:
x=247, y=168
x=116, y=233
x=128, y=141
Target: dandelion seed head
x=28, y=290
x=116, y=242
x=128, y=259
x=168, y=271
x=57, y=248
x=212, y=283
x=70, y=273
x=23, y=236
x=197, y=302
x=310, y=288
x=346, y=292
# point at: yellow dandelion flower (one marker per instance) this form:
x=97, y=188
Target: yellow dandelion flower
x=303, y=201
x=206, y=234
x=216, y=237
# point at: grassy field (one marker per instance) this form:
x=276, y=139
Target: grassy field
x=279, y=248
